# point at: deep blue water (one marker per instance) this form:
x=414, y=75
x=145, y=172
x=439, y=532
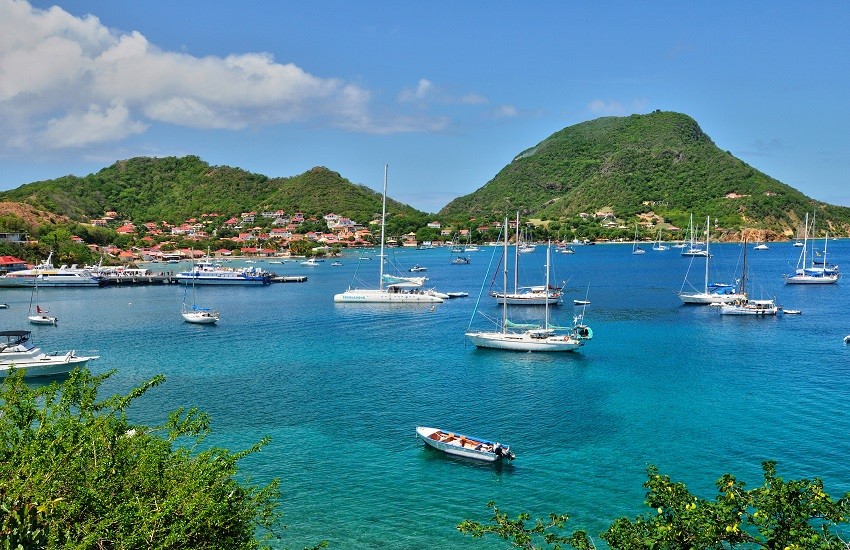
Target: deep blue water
x=341, y=387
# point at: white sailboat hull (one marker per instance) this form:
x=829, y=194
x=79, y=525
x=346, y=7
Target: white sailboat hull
x=527, y=298
x=201, y=317
x=706, y=298
x=524, y=341
x=823, y=279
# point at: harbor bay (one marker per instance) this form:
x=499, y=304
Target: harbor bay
x=340, y=388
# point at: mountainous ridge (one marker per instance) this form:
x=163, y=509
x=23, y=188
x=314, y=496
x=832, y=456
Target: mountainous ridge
x=661, y=163
x=176, y=188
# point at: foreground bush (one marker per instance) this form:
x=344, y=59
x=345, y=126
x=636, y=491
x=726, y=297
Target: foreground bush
x=75, y=473
x=789, y=515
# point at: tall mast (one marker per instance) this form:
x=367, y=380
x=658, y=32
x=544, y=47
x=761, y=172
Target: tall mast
x=707, y=255
x=516, y=256
x=548, y=256
x=505, y=281
x=383, y=220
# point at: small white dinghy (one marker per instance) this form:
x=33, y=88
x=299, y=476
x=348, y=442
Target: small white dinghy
x=464, y=445
x=847, y=339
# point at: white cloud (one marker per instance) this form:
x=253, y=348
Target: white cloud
x=426, y=92
x=423, y=89
x=64, y=74
x=506, y=111
x=97, y=124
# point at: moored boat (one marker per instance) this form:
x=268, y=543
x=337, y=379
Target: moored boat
x=207, y=273
x=45, y=274
x=464, y=445
x=16, y=350
x=200, y=315
x=404, y=291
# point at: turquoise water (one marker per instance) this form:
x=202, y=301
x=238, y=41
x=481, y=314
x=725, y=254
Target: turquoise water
x=341, y=387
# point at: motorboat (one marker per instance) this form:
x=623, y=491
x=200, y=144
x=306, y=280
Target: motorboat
x=45, y=274
x=17, y=350
x=417, y=269
x=750, y=307
x=312, y=262
x=463, y=445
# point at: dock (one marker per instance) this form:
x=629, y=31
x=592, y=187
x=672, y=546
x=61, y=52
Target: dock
x=289, y=279
x=119, y=280
x=170, y=278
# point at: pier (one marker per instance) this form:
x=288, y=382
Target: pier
x=170, y=278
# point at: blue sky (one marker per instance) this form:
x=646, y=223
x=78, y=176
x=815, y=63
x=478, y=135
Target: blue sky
x=446, y=93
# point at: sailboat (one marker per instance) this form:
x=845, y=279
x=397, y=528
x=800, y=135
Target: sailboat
x=712, y=293
x=403, y=292
x=693, y=248
x=808, y=276
x=745, y=305
x=195, y=314
x=659, y=245
x=531, y=295
x=760, y=245
x=529, y=337
x=636, y=248
x=40, y=317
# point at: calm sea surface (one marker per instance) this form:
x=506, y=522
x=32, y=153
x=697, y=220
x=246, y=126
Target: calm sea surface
x=339, y=388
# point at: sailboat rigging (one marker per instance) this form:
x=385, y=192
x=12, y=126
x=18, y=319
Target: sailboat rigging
x=40, y=317
x=712, y=293
x=745, y=305
x=530, y=337
x=806, y=276
x=402, y=292
x=196, y=314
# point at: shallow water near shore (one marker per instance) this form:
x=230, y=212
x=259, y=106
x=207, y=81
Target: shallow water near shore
x=340, y=388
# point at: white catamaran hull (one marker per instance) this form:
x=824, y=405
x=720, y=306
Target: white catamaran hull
x=375, y=296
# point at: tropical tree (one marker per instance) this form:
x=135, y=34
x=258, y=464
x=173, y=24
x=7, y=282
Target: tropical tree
x=76, y=472
x=779, y=514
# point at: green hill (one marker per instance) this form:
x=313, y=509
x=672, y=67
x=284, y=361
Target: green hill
x=174, y=189
x=661, y=162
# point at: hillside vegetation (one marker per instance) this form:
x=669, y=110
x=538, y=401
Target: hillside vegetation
x=660, y=162
x=174, y=189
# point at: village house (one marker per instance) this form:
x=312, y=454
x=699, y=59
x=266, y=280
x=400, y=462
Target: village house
x=11, y=263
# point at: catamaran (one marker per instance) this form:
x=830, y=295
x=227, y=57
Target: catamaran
x=403, y=292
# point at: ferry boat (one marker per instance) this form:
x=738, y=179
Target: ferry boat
x=208, y=273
